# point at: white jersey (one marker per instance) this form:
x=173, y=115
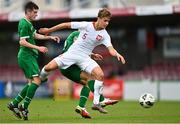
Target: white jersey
x=80, y=50
x=88, y=38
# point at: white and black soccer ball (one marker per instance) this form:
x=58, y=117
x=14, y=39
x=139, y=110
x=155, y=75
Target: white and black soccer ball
x=146, y=100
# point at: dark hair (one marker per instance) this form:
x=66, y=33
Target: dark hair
x=30, y=6
x=104, y=13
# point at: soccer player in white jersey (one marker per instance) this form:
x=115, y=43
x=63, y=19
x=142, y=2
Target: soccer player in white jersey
x=91, y=35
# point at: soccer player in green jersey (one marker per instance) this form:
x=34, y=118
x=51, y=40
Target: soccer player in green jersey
x=27, y=60
x=75, y=74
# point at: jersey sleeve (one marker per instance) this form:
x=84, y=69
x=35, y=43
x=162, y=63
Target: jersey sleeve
x=107, y=40
x=34, y=32
x=23, y=33
x=79, y=25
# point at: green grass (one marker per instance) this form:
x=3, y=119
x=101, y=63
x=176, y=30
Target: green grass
x=49, y=111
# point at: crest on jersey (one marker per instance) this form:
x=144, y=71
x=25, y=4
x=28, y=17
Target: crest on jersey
x=99, y=37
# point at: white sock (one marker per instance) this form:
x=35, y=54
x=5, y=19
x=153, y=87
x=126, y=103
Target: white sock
x=97, y=90
x=43, y=74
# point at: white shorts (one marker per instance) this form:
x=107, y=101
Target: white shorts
x=85, y=63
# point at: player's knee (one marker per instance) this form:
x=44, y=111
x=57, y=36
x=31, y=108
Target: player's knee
x=100, y=76
x=83, y=82
x=36, y=80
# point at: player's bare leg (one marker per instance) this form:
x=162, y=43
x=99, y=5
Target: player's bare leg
x=85, y=77
x=52, y=65
x=98, y=74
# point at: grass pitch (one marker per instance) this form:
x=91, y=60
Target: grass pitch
x=49, y=111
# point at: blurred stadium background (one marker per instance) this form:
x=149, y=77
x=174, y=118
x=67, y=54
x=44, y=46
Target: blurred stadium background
x=146, y=32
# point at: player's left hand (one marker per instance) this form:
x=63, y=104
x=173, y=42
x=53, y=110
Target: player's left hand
x=120, y=58
x=96, y=56
x=55, y=38
x=44, y=31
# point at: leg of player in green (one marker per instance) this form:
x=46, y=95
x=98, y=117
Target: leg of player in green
x=30, y=94
x=20, y=96
x=30, y=68
x=13, y=106
x=73, y=73
x=103, y=101
x=30, y=91
x=85, y=94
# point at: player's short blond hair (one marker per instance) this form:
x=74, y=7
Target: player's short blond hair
x=104, y=13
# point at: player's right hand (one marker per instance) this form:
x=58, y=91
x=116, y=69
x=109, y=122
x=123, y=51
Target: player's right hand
x=44, y=31
x=120, y=58
x=55, y=38
x=43, y=49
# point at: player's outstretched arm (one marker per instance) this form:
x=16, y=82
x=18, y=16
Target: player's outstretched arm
x=114, y=53
x=46, y=37
x=42, y=49
x=55, y=28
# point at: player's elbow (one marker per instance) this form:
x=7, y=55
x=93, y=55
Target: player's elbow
x=22, y=42
x=66, y=25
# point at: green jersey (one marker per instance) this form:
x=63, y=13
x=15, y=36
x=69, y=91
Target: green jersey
x=70, y=40
x=26, y=30
x=27, y=57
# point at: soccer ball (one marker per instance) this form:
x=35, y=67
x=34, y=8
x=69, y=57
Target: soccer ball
x=146, y=100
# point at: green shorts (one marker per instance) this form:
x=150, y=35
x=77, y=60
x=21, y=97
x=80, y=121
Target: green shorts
x=29, y=65
x=72, y=73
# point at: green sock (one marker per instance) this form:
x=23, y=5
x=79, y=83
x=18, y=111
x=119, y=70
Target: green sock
x=30, y=94
x=20, y=96
x=91, y=86
x=101, y=98
x=84, y=96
